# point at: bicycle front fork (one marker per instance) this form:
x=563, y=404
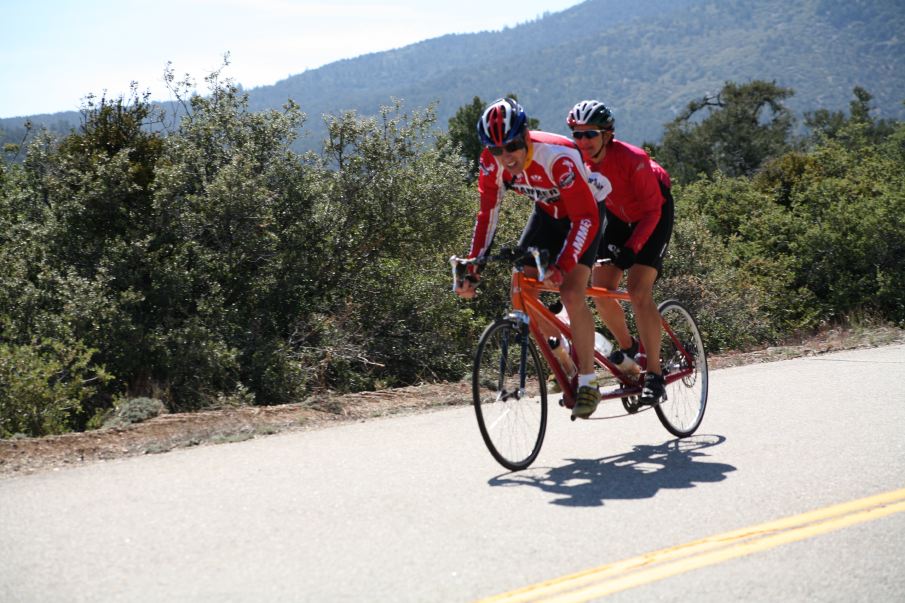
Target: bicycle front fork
x=520, y=320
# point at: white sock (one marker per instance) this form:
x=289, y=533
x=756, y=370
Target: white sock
x=589, y=379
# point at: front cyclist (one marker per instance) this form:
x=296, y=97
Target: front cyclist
x=635, y=234
x=548, y=169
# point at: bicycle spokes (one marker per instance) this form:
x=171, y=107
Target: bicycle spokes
x=512, y=412
x=684, y=370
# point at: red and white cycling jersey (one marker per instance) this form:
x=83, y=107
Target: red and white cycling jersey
x=557, y=180
x=636, y=197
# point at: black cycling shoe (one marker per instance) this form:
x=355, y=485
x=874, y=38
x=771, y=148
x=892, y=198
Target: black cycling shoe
x=631, y=351
x=654, y=390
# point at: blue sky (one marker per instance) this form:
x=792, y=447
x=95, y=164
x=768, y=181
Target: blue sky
x=56, y=52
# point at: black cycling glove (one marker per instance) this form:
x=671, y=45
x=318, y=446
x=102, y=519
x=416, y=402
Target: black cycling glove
x=622, y=256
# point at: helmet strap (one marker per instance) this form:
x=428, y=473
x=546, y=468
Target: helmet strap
x=599, y=155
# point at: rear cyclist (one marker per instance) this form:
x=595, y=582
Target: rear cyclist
x=635, y=234
x=548, y=169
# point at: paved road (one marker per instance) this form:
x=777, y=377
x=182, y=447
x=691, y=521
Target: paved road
x=415, y=509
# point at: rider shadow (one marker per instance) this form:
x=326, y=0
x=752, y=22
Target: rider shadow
x=638, y=474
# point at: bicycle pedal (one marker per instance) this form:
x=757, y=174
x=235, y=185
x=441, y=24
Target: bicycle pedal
x=654, y=403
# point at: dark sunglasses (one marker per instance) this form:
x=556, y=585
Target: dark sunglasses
x=510, y=147
x=579, y=134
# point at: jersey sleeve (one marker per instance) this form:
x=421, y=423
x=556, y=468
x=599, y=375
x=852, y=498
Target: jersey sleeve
x=646, y=185
x=600, y=185
x=491, y=191
x=661, y=173
x=581, y=208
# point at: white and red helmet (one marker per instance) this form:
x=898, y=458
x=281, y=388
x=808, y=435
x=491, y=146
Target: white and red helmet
x=591, y=112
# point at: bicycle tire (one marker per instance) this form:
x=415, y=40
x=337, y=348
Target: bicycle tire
x=683, y=409
x=512, y=424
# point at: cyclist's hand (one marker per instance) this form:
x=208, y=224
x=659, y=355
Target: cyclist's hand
x=622, y=256
x=467, y=287
x=554, y=275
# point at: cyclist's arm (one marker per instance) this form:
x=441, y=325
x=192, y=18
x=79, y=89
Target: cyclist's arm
x=646, y=188
x=600, y=185
x=491, y=190
x=581, y=207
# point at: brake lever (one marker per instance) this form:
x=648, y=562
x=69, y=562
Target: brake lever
x=541, y=273
x=457, y=268
x=460, y=272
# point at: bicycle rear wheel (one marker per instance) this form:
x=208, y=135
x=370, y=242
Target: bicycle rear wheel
x=686, y=398
x=512, y=421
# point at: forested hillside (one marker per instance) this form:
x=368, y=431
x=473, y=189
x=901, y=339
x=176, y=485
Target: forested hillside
x=647, y=60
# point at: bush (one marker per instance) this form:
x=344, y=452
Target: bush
x=210, y=265
x=731, y=308
x=42, y=386
x=214, y=265
x=135, y=410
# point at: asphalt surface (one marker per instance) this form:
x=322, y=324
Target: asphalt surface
x=415, y=509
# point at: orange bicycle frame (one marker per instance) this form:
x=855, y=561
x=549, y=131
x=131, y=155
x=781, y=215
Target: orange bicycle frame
x=525, y=295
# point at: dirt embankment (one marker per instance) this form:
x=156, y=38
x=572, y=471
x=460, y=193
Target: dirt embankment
x=167, y=432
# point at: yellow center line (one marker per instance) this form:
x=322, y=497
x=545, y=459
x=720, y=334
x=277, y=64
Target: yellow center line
x=650, y=567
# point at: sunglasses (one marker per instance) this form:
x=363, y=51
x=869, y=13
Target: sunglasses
x=579, y=134
x=510, y=147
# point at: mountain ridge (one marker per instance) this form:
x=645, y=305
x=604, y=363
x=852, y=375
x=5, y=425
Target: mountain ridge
x=646, y=60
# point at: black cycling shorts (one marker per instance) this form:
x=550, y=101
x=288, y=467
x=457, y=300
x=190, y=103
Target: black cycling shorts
x=616, y=232
x=546, y=232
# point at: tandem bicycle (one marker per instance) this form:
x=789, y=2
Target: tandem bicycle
x=509, y=380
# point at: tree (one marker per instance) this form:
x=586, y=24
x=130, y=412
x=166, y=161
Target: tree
x=462, y=132
x=826, y=124
x=215, y=266
x=733, y=132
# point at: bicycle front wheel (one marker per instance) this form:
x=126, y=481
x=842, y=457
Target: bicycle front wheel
x=682, y=351
x=512, y=418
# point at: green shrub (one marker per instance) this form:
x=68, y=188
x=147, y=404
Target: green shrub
x=213, y=266
x=731, y=308
x=43, y=386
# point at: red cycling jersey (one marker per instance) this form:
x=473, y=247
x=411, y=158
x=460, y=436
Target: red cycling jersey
x=636, y=197
x=556, y=179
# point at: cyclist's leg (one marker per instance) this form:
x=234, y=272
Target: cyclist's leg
x=533, y=235
x=574, y=298
x=641, y=289
x=572, y=293
x=641, y=279
x=610, y=310
x=641, y=286
x=548, y=233
x=615, y=232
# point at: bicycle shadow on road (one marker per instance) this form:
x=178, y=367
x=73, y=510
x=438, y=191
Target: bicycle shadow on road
x=638, y=474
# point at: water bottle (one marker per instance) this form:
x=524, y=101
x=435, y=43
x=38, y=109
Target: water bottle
x=561, y=351
x=626, y=364
x=602, y=344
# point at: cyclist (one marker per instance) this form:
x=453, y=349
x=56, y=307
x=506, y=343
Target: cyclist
x=565, y=220
x=635, y=234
